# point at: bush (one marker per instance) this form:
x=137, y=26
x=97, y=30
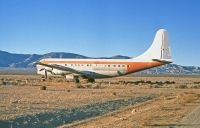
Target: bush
x=138, y=82
x=159, y=83
x=183, y=86
x=97, y=86
x=88, y=85
x=169, y=82
x=114, y=93
x=79, y=86
x=43, y=88
x=148, y=82
x=4, y=83
x=43, y=79
x=195, y=86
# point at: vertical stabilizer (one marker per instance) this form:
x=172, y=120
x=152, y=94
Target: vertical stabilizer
x=159, y=50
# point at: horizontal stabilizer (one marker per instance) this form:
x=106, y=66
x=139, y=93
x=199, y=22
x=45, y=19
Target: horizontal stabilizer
x=163, y=61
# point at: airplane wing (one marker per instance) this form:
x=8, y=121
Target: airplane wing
x=60, y=67
x=83, y=74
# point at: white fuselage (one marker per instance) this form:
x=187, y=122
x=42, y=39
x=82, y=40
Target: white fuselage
x=98, y=68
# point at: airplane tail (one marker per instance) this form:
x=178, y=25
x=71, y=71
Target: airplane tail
x=159, y=50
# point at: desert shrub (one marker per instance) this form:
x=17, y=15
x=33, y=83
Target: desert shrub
x=43, y=88
x=68, y=90
x=169, y=82
x=173, y=82
x=59, y=80
x=79, y=86
x=141, y=81
x=3, y=83
x=122, y=82
x=98, y=86
x=150, y=86
x=114, y=93
x=159, y=83
x=195, y=86
x=148, y=82
x=43, y=79
x=138, y=82
x=183, y=86
x=88, y=85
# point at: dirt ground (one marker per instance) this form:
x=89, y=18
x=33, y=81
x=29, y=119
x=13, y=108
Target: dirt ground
x=172, y=98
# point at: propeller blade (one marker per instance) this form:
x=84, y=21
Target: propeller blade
x=41, y=69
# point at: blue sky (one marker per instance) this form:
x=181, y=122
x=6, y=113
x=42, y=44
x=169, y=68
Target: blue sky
x=100, y=27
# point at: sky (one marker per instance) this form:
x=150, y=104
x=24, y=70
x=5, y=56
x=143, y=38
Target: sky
x=100, y=28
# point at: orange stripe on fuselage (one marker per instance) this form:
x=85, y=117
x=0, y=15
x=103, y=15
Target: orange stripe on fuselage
x=138, y=66
x=131, y=66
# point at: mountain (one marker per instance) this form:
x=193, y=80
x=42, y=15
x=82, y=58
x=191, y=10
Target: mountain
x=16, y=60
x=62, y=55
x=115, y=57
x=13, y=60
x=27, y=60
x=173, y=69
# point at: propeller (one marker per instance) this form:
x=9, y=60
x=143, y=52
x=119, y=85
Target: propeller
x=46, y=71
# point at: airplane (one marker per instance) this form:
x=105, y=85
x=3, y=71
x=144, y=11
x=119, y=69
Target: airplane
x=158, y=54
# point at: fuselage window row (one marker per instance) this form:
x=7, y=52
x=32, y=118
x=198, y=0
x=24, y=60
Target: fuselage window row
x=89, y=65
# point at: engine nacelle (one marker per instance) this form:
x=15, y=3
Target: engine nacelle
x=69, y=77
x=59, y=72
x=42, y=69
